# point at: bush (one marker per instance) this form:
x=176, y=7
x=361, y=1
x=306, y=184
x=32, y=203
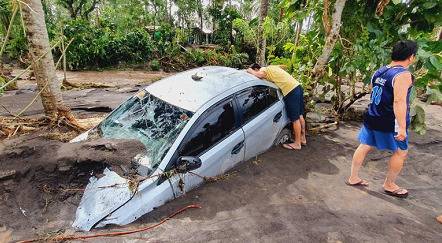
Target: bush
x=199, y=57
x=155, y=65
x=102, y=47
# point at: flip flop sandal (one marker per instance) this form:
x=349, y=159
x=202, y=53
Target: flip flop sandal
x=362, y=183
x=290, y=147
x=396, y=193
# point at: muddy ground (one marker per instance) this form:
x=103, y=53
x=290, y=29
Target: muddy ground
x=283, y=196
x=85, y=102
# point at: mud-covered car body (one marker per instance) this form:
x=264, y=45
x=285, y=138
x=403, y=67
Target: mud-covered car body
x=198, y=123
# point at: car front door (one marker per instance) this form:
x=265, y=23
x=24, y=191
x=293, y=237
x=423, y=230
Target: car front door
x=217, y=139
x=262, y=118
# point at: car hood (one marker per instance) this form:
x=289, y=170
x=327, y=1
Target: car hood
x=106, y=195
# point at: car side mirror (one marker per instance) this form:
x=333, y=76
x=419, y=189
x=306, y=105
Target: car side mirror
x=187, y=163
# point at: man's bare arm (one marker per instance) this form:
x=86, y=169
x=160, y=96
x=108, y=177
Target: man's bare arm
x=401, y=84
x=258, y=74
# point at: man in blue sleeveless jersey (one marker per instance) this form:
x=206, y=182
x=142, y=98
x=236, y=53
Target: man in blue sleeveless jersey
x=387, y=118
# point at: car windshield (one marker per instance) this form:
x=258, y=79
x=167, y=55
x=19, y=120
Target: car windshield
x=150, y=120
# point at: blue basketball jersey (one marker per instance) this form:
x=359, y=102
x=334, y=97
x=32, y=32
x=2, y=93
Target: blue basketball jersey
x=380, y=114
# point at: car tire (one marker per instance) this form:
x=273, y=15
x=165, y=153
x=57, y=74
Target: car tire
x=284, y=136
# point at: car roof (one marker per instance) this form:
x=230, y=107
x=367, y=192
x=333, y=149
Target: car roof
x=186, y=91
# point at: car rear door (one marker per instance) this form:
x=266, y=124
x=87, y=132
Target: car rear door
x=262, y=118
x=217, y=139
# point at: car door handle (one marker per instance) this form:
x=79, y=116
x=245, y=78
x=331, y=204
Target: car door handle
x=277, y=117
x=237, y=148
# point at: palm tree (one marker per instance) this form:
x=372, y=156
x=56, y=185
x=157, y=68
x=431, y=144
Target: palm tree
x=44, y=69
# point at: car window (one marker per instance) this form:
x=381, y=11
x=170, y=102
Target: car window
x=273, y=96
x=255, y=100
x=215, y=126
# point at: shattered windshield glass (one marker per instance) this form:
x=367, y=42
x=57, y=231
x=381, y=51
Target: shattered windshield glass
x=150, y=120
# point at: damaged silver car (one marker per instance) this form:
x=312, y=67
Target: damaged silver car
x=195, y=124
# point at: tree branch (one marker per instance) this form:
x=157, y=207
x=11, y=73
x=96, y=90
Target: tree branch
x=381, y=6
x=330, y=41
x=89, y=10
x=353, y=99
x=325, y=17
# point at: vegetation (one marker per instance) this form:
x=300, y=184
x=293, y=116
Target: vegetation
x=331, y=46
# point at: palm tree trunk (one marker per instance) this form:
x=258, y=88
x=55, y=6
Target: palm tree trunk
x=44, y=68
x=261, y=49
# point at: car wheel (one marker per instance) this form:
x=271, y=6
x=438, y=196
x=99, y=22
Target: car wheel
x=283, y=137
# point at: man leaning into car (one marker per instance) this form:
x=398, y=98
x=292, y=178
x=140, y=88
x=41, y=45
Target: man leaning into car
x=293, y=99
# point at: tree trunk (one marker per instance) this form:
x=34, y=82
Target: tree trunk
x=298, y=32
x=154, y=19
x=381, y=6
x=44, y=69
x=330, y=40
x=325, y=18
x=170, y=12
x=261, y=48
x=200, y=13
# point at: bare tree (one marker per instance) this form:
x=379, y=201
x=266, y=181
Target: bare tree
x=261, y=49
x=330, y=39
x=44, y=69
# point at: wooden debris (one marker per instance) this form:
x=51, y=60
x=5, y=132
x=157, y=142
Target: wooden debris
x=6, y=174
x=324, y=126
x=70, y=85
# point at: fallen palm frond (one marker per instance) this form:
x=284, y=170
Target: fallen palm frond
x=11, y=126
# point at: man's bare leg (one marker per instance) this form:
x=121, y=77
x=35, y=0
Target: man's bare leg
x=358, y=159
x=303, y=139
x=297, y=135
x=394, y=168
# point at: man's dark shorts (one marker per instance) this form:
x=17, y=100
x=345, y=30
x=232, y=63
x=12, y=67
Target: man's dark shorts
x=294, y=103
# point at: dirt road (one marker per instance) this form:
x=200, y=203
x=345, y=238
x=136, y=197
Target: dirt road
x=286, y=196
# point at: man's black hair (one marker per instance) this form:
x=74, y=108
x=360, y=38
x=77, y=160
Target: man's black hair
x=255, y=66
x=403, y=49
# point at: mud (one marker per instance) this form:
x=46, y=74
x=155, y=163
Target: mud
x=281, y=196
x=115, y=78
x=43, y=179
x=84, y=102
